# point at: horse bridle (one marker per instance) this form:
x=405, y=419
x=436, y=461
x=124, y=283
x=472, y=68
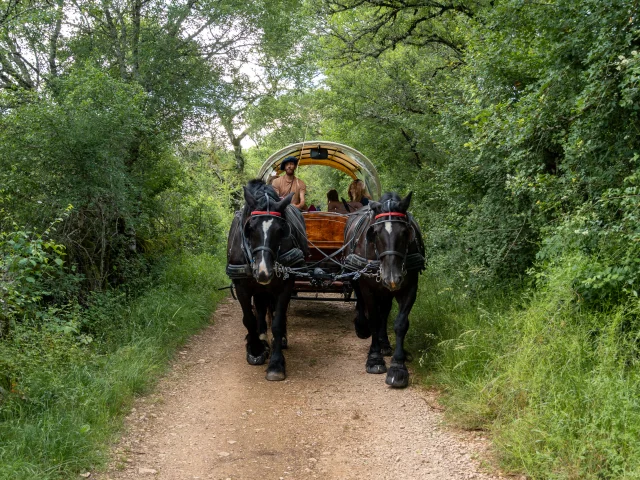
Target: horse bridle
x=260, y=213
x=397, y=220
x=390, y=217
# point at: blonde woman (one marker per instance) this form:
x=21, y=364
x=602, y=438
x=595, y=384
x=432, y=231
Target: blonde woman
x=358, y=192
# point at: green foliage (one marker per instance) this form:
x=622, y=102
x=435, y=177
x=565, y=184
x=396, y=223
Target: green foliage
x=68, y=385
x=522, y=149
x=75, y=150
x=504, y=140
x=32, y=270
x=555, y=383
x=548, y=132
x=113, y=93
x=197, y=211
x=368, y=28
x=515, y=123
x=607, y=231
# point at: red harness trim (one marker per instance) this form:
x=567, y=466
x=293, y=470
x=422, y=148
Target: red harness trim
x=260, y=212
x=390, y=214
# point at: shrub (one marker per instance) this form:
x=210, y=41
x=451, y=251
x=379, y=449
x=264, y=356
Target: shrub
x=32, y=270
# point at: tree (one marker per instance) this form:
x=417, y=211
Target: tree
x=369, y=28
x=530, y=122
x=98, y=93
x=276, y=63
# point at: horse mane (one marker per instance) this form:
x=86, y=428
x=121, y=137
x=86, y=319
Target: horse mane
x=258, y=189
x=389, y=201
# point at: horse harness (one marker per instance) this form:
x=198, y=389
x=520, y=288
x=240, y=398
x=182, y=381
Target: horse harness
x=354, y=264
x=294, y=256
x=410, y=262
x=250, y=254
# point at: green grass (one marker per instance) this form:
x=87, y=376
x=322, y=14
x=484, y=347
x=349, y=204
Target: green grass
x=556, y=385
x=71, y=388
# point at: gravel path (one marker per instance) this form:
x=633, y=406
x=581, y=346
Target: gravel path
x=216, y=417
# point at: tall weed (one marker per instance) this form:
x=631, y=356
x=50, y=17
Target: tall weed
x=70, y=388
x=555, y=383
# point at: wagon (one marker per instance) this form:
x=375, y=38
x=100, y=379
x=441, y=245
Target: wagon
x=325, y=230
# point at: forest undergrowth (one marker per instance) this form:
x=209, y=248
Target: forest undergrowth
x=555, y=385
x=74, y=377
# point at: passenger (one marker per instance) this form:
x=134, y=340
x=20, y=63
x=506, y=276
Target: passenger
x=352, y=206
x=358, y=192
x=312, y=208
x=289, y=183
x=333, y=202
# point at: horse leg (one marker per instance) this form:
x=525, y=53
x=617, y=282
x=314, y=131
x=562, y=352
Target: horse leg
x=398, y=375
x=285, y=341
x=385, y=308
x=361, y=322
x=262, y=303
x=375, y=359
x=276, y=368
x=256, y=353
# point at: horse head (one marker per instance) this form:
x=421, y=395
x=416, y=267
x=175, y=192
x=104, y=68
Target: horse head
x=391, y=234
x=265, y=227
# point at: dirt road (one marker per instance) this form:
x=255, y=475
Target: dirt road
x=216, y=417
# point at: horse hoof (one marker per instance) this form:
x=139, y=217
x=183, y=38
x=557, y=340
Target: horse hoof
x=257, y=359
x=376, y=369
x=275, y=376
x=285, y=343
x=362, y=329
x=386, y=351
x=397, y=377
x=375, y=363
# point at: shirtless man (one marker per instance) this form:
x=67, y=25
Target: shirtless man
x=288, y=183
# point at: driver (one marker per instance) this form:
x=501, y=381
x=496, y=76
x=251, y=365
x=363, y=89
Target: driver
x=288, y=183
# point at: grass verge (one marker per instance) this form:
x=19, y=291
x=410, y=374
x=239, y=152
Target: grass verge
x=557, y=385
x=72, y=381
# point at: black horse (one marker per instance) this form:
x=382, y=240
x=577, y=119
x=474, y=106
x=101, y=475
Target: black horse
x=385, y=235
x=260, y=236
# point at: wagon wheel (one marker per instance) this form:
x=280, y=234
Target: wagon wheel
x=347, y=294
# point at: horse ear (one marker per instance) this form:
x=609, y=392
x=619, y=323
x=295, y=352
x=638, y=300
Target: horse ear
x=375, y=206
x=403, y=205
x=284, y=203
x=249, y=198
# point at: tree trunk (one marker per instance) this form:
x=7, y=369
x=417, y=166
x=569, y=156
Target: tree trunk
x=412, y=145
x=53, y=41
x=235, y=142
x=237, y=152
x=135, y=37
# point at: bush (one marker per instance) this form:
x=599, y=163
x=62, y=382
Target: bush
x=31, y=271
x=555, y=382
x=71, y=379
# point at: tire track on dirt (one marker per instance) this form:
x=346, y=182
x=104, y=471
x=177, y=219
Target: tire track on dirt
x=216, y=417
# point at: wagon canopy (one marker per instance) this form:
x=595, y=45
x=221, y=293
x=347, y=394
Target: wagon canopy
x=335, y=155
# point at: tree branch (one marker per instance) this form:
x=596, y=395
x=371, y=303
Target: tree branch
x=174, y=28
x=395, y=22
x=412, y=146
